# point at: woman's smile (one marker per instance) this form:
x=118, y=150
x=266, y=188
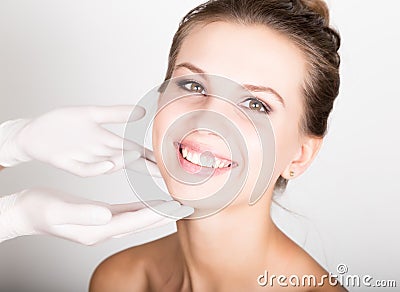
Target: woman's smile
x=195, y=157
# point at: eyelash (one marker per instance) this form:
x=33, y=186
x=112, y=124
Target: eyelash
x=267, y=108
x=183, y=83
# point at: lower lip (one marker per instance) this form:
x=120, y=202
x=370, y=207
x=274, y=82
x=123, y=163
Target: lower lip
x=197, y=169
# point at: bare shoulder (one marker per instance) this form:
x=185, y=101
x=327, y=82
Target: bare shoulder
x=124, y=271
x=305, y=269
x=131, y=269
x=317, y=277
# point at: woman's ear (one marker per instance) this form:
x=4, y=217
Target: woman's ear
x=303, y=158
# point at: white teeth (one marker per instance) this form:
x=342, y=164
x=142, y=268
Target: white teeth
x=189, y=156
x=207, y=161
x=203, y=160
x=195, y=158
x=210, y=162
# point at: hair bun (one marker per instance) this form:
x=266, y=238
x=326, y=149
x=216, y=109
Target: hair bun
x=318, y=6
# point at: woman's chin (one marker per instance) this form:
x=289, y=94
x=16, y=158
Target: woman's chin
x=185, y=193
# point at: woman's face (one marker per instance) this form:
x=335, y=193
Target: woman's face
x=270, y=66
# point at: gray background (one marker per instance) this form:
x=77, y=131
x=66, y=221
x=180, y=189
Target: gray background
x=56, y=53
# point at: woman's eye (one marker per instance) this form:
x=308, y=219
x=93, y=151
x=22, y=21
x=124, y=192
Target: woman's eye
x=256, y=105
x=193, y=86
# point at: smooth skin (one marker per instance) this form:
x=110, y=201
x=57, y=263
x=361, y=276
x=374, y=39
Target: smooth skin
x=229, y=250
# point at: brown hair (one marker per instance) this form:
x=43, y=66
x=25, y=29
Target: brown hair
x=306, y=23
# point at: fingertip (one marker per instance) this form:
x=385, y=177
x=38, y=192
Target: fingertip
x=130, y=156
x=130, y=145
x=167, y=207
x=154, y=203
x=137, y=113
x=84, y=170
x=116, y=113
x=155, y=171
x=182, y=212
x=106, y=166
x=101, y=215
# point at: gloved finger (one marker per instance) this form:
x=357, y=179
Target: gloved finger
x=126, y=158
x=89, y=158
x=149, y=155
x=178, y=214
x=160, y=223
x=144, y=166
x=181, y=213
x=143, y=151
x=131, y=207
x=120, y=224
x=114, y=141
x=88, y=169
x=116, y=114
x=80, y=200
x=103, y=151
x=80, y=214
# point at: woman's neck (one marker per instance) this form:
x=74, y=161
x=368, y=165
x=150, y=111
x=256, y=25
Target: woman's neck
x=236, y=238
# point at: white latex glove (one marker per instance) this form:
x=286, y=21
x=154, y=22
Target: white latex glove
x=45, y=211
x=73, y=139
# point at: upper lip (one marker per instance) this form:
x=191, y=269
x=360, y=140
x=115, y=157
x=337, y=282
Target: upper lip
x=201, y=148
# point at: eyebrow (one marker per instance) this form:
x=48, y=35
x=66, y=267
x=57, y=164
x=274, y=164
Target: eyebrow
x=256, y=88
x=249, y=87
x=191, y=67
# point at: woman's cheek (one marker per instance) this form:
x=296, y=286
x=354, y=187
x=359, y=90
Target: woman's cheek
x=157, y=136
x=286, y=146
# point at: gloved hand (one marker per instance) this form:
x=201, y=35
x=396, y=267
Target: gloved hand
x=45, y=211
x=73, y=139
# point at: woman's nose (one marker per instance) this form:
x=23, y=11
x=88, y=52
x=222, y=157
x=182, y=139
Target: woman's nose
x=217, y=105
